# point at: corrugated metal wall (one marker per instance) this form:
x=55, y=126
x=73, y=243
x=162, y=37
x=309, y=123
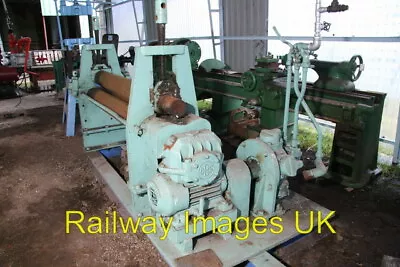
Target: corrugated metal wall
x=244, y=18
x=187, y=19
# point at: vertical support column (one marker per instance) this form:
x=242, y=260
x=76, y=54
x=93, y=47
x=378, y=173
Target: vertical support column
x=396, y=152
x=161, y=19
x=46, y=43
x=108, y=18
x=151, y=28
x=212, y=28
x=221, y=30
x=69, y=113
x=59, y=26
x=266, y=26
x=137, y=24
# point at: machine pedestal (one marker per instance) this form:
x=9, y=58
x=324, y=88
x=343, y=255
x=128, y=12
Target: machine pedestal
x=229, y=252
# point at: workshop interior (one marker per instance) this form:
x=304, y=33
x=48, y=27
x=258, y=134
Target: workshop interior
x=222, y=129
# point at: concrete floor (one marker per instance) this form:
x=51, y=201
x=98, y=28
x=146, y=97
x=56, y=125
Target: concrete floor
x=43, y=174
x=28, y=102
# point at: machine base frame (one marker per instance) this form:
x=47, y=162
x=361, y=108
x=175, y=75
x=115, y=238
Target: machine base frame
x=254, y=249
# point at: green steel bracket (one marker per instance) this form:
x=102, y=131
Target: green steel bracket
x=101, y=127
x=88, y=68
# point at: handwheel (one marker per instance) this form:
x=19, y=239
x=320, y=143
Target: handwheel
x=357, y=68
x=248, y=81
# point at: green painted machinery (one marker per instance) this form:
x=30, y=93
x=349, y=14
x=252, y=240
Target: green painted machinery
x=273, y=94
x=357, y=114
x=338, y=76
x=174, y=166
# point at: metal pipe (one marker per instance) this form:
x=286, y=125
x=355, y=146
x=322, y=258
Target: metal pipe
x=305, y=65
x=45, y=33
x=392, y=39
x=314, y=121
x=300, y=97
x=288, y=82
x=161, y=20
x=320, y=168
x=316, y=43
x=59, y=26
x=287, y=95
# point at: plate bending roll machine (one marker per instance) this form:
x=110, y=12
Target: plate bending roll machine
x=173, y=161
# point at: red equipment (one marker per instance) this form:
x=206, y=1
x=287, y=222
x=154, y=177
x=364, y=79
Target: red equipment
x=23, y=45
x=12, y=42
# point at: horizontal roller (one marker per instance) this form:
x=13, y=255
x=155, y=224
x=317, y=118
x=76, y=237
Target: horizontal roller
x=172, y=106
x=115, y=92
x=117, y=85
x=113, y=103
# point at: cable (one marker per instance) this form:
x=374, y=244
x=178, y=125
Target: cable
x=17, y=87
x=20, y=100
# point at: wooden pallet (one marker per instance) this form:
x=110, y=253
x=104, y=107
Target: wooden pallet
x=217, y=250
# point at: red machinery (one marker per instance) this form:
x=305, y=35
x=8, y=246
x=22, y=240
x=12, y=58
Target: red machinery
x=22, y=45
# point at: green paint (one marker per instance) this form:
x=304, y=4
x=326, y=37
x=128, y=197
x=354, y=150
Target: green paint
x=360, y=112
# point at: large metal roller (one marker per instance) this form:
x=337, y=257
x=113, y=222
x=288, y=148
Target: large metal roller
x=117, y=85
x=172, y=106
x=116, y=96
x=115, y=104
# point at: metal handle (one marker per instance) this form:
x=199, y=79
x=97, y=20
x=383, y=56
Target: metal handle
x=280, y=37
x=360, y=67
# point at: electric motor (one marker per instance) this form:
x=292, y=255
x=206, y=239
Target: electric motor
x=190, y=170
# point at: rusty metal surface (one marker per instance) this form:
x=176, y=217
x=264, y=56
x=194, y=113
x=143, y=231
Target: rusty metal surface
x=242, y=127
x=205, y=258
x=115, y=104
x=172, y=106
x=169, y=87
x=118, y=86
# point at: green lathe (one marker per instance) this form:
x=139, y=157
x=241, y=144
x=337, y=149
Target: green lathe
x=332, y=97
